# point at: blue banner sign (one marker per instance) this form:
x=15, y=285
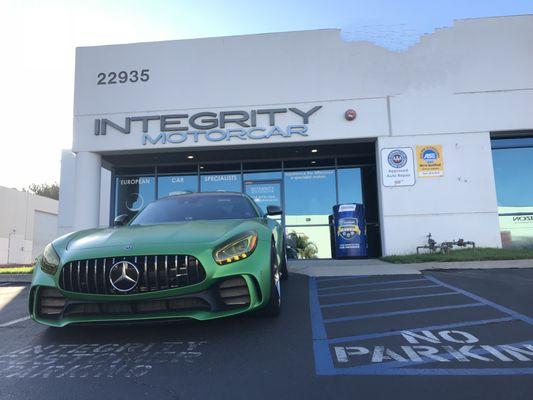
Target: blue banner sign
x=350, y=230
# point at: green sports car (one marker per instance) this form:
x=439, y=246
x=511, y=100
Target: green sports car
x=197, y=255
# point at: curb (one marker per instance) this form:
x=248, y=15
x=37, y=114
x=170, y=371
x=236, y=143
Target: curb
x=22, y=278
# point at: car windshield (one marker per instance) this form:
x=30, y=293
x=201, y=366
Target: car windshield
x=193, y=207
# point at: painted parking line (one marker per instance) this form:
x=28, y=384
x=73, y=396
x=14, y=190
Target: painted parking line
x=15, y=321
x=351, y=354
x=322, y=288
x=418, y=296
x=402, y=312
x=377, y=290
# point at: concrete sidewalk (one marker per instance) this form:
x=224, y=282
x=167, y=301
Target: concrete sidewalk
x=378, y=267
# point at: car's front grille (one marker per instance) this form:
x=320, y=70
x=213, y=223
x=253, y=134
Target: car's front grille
x=155, y=272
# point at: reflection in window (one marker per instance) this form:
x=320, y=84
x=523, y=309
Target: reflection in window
x=221, y=183
x=350, y=188
x=133, y=193
x=304, y=242
x=177, y=184
x=309, y=196
x=513, y=172
x=264, y=194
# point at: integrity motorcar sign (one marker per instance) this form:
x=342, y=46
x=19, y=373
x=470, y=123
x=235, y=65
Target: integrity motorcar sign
x=235, y=125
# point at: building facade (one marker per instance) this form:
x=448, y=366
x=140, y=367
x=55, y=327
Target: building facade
x=27, y=223
x=426, y=139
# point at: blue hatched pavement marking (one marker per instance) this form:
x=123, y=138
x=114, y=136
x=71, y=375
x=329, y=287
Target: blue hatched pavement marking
x=498, y=307
x=366, y=336
x=402, y=312
x=324, y=361
x=418, y=296
x=397, y=367
x=377, y=290
x=370, y=284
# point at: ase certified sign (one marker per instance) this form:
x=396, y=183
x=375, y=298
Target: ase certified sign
x=397, y=166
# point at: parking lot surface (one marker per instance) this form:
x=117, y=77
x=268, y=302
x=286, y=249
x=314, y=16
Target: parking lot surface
x=455, y=334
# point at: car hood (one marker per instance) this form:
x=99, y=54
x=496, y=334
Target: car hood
x=180, y=232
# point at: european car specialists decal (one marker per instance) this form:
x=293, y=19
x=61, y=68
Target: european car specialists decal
x=238, y=125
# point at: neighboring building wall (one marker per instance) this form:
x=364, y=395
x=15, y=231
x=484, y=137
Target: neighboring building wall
x=20, y=239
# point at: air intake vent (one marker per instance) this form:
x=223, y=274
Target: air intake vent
x=51, y=303
x=234, y=292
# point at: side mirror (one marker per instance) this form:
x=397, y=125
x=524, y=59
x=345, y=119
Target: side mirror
x=121, y=220
x=274, y=210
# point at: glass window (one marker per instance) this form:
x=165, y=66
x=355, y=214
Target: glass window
x=513, y=174
x=178, y=169
x=176, y=184
x=264, y=193
x=261, y=165
x=309, y=196
x=221, y=183
x=194, y=207
x=226, y=167
x=309, y=163
x=262, y=176
x=308, y=242
x=349, y=183
x=133, y=193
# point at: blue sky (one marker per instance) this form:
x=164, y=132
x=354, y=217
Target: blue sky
x=392, y=23
x=40, y=37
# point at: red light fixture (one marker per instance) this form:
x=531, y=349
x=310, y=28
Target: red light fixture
x=350, y=114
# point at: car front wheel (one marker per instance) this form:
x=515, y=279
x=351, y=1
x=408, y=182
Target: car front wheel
x=273, y=307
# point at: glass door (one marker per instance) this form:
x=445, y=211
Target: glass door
x=265, y=193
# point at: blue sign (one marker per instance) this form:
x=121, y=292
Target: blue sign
x=397, y=158
x=350, y=230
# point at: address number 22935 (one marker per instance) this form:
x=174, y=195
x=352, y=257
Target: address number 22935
x=133, y=76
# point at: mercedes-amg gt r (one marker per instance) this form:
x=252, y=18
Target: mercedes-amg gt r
x=197, y=255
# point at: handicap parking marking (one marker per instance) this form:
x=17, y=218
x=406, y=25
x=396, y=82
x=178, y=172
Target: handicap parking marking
x=426, y=349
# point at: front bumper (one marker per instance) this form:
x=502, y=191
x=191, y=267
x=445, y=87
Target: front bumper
x=227, y=290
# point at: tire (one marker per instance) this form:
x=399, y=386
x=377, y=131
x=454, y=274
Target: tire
x=283, y=266
x=273, y=307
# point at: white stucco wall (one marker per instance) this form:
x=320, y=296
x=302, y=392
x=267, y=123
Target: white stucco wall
x=17, y=216
x=460, y=204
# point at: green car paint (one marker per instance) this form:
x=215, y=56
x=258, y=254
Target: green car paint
x=197, y=238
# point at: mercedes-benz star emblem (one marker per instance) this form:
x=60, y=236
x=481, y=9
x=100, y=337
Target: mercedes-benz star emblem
x=124, y=276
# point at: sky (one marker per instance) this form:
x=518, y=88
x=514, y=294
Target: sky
x=39, y=38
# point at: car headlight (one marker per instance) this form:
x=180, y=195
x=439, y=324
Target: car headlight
x=236, y=249
x=49, y=260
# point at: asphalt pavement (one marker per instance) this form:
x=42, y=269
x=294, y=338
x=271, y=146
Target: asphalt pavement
x=452, y=334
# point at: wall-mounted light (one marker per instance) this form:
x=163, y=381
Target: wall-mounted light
x=313, y=162
x=314, y=150
x=190, y=156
